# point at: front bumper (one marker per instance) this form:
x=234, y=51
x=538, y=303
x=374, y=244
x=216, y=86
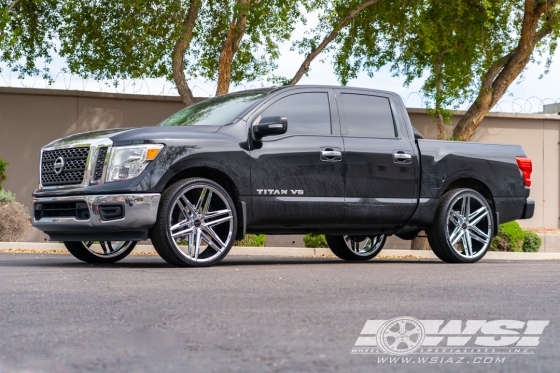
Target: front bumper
x=138, y=215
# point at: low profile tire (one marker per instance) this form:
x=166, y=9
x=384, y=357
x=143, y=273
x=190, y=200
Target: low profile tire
x=356, y=247
x=196, y=223
x=102, y=252
x=463, y=227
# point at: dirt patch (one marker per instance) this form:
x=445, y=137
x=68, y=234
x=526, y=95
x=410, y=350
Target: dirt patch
x=59, y=252
x=377, y=257
x=401, y=257
x=544, y=230
x=24, y=251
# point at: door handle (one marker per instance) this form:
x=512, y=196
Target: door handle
x=331, y=155
x=402, y=157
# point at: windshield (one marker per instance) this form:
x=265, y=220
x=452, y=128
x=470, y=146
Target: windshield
x=214, y=111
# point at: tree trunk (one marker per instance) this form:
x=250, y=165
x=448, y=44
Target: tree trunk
x=500, y=76
x=179, y=50
x=334, y=33
x=231, y=46
x=442, y=132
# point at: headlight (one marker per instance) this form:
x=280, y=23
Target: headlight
x=127, y=162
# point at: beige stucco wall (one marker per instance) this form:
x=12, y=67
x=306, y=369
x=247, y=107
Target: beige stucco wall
x=30, y=118
x=539, y=134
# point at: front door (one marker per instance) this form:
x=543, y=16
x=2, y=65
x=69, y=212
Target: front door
x=381, y=180
x=296, y=178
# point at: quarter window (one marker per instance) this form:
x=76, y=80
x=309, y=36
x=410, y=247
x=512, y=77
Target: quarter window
x=367, y=116
x=307, y=113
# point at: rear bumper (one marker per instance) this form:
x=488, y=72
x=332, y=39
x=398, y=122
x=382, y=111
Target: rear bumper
x=528, y=209
x=138, y=215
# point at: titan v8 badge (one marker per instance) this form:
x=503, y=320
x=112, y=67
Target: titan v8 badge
x=281, y=191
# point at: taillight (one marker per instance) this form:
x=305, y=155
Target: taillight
x=526, y=167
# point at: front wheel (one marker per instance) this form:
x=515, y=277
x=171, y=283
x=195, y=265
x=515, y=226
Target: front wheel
x=196, y=223
x=356, y=247
x=101, y=252
x=463, y=226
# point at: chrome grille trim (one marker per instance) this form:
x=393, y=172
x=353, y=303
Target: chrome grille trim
x=87, y=167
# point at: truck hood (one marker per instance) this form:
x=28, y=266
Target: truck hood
x=124, y=136
x=160, y=134
x=85, y=137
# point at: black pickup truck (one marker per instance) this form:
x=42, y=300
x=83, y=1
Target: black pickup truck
x=341, y=161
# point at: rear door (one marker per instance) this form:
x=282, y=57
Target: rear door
x=296, y=178
x=381, y=179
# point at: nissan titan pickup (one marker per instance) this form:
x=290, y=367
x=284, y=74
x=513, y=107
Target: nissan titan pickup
x=344, y=162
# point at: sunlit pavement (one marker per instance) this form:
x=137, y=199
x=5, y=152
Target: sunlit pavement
x=253, y=314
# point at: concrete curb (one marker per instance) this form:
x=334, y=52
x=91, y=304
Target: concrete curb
x=290, y=252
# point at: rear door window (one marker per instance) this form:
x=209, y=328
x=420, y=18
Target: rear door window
x=307, y=113
x=367, y=116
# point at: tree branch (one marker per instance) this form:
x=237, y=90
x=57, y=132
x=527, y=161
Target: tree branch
x=12, y=5
x=179, y=50
x=334, y=33
x=546, y=6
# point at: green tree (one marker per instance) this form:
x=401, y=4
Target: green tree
x=467, y=50
x=239, y=40
x=27, y=28
x=227, y=41
x=449, y=43
x=336, y=16
x=535, y=27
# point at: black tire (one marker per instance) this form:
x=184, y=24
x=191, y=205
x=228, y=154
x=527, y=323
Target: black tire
x=447, y=222
x=170, y=214
x=80, y=251
x=340, y=246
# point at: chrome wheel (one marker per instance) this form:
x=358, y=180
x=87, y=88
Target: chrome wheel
x=364, y=245
x=469, y=226
x=201, y=223
x=107, y=249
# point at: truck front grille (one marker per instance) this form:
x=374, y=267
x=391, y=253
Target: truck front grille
x=72, y=172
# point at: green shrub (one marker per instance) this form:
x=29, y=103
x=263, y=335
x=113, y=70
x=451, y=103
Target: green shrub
x=509, y=238
x=315, y=240
x=531, y=242
x=252, y=240
x=3, y=176
x=6, y=196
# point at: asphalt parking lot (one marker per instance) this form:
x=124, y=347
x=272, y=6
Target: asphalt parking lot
x=254, y=314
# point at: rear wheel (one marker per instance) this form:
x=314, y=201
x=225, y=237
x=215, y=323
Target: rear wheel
x=463, y=227
x=196, y=223
x=100, y=251
x=356, y=247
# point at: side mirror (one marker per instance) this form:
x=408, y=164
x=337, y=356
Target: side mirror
x=270, y=126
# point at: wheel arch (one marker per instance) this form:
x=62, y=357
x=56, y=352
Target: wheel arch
x=474, y=184
x=208, y=173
